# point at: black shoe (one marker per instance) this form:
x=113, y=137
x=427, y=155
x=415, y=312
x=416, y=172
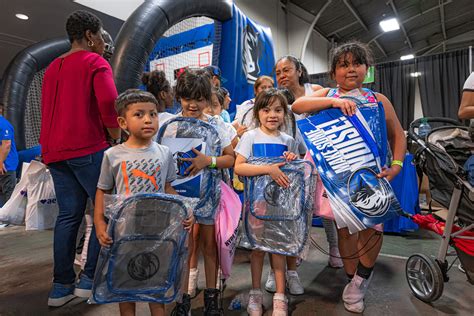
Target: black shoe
x=211, y=303
x=183, y=308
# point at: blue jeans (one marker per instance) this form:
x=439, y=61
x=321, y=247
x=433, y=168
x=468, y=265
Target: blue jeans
x=75, y=180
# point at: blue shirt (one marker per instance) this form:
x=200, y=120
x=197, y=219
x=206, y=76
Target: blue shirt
x=7, y=133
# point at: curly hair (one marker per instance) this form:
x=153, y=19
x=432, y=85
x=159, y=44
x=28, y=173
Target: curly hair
x=79, y=22
x=304, y=78
x=132, y=96
x=360, y=52
x=194, y=84
x=155, y=82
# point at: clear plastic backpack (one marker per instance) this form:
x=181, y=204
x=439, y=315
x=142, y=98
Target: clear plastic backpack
x=149, y=250
x=278, y=219
x=191, y=128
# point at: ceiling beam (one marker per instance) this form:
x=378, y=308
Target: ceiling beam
x=342, y=28
x=413, y=17
x=359, y=19
x=443, y=24
x=401, y=23
x=311, y=28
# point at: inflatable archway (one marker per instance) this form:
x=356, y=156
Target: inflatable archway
x=147, y=24
x=135, y=41
x=18, y=77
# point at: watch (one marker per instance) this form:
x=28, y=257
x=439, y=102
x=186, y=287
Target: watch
x=115, y=141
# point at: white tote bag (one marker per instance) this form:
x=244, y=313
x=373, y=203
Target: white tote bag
x=42, y=207
x=13, y=212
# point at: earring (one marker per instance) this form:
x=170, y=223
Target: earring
x=90, y=43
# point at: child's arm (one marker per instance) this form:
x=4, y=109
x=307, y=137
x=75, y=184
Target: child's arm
x=188, y=222
x=318, y=102
x=99, y=218
x=242, y=168
x=202, y=161
x=396, y=137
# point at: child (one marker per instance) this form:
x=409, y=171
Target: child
x=348, y=68
x=193, y=90
x=138, y=116
x=269, y=112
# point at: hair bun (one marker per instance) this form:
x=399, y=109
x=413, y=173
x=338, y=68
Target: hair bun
x=146, y=78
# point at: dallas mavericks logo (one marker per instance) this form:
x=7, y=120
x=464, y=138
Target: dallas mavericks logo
x=143, y=266
x=369, y=194
x=250, y=54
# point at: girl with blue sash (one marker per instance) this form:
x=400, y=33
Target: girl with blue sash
x=349, y=64
x=267, y=141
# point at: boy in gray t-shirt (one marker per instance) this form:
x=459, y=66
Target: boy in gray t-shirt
x=137, y=166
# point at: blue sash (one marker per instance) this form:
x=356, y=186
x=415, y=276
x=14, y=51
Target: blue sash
x=348, y=156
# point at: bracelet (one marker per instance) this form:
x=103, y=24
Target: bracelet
x=213, y=164
x=397, y=162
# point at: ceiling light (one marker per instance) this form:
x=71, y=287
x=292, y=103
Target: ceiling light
x=415, y=74
x=22, y=16
x=389, y=25
x=409, y=56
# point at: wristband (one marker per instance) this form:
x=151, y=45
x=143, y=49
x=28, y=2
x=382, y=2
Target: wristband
x=213, y=164
x=397, y=162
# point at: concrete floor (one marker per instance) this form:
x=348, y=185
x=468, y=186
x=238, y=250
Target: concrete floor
x=26, y=271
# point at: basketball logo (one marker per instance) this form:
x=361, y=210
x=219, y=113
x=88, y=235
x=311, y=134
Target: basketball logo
x=369, y=194
x=143, y=266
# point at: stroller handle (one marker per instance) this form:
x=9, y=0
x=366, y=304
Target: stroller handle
x=416, y=123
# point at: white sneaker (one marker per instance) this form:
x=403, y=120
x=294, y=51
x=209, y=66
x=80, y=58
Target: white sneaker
x=255, y=308
x=293, y=283
x=280, y=305
x=193, y=282
x=270, y=284
x=354, y=293
x=335, y=260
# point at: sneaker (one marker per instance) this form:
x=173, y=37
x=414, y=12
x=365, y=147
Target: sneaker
x=270, y=285
x=280, y=305
x=193, y=282
x=211, y=303
x=60, y=294
x=183, y=308
x=354, y=293
x=255, y=308
x=335, y=260
x=293, y=283
x=83, y=286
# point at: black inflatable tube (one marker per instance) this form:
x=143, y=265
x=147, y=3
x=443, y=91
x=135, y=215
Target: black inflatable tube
x=18, y=76
x=142, y=30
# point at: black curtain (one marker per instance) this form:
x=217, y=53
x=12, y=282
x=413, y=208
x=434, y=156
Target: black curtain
x=396, y=82
x=323, y=79
x=441, y=81
x=392, y=80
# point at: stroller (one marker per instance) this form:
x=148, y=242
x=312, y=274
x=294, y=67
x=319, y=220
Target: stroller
x=441, y=157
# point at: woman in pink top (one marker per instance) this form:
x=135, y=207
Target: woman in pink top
x=77, y=114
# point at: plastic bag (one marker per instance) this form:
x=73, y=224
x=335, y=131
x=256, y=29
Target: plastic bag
x=42, y=207
x=277, y=219
x=149, y=250
x=13, y=212
x=181, y=134
x=227, y=228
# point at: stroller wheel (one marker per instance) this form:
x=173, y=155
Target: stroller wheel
x=424, y=277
